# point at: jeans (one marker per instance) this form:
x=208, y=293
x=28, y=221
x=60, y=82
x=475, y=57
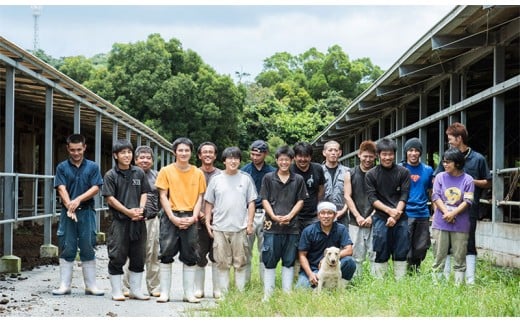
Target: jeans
x=73, y=235
x=390, y=241
x=279, y=246
x=348, y=267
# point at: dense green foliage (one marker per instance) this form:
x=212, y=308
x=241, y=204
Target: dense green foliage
x=175, y=93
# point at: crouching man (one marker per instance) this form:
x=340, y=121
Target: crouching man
x=319, y=236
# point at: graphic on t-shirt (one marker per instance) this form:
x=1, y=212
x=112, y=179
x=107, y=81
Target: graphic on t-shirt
x=415, y=178
x=310, y=181
x=453, y=195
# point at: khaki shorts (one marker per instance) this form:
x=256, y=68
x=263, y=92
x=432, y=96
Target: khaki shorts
x=231, y=249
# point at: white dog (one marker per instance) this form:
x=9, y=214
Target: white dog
x=329, y=274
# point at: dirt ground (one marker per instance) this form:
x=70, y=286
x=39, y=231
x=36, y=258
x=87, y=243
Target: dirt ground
x=28, y=238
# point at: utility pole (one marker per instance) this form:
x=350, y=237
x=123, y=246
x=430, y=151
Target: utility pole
x=36, y=10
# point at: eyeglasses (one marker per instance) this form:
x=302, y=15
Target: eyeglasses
x=447, y=161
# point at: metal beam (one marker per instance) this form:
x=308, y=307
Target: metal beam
x=396, y=89
x=118, y=115
x=8, y=192
x=441, y=42
x=420, y=70
x=497, y=213
x=48, y=192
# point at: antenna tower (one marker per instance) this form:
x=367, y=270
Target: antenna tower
x=36, y=10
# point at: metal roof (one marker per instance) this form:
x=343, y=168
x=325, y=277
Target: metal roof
x=467, y=33
x=33, y=77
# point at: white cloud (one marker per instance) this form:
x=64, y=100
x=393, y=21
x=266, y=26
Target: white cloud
x=380, y=33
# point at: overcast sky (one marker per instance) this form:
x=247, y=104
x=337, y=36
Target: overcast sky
x=229, y=38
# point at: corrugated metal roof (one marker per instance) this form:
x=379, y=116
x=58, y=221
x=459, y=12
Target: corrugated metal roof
x=467, y=32
x=33, y=77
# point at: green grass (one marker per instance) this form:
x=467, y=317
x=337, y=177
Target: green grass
x=496, y=293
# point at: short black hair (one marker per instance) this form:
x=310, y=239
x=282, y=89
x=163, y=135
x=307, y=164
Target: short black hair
x=207, y=143
x=386, y=144
x=456, y=156
x=121, y=144
x=284, y=150
x=76, y=139
x=182, y=140
x=232, y=152
x=302, y=149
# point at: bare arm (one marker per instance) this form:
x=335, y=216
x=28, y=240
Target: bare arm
x=135, y=214
x=165, y=203
x=321, y=192
x=250, y=217
x=209, y=215
x=449, y=216
x=482, y=183
x=347, y=189
x=304, y=264
x=72, y=205
x=294, y=211
x=346, y=251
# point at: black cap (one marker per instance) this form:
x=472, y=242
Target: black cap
x=259, y=146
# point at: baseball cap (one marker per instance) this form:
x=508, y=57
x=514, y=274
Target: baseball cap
x=259, y=146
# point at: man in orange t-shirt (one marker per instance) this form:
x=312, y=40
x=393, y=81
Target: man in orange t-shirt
x=181, y=187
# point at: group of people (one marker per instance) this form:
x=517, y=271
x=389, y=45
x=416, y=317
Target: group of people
x=293, y=212
x=390, y=211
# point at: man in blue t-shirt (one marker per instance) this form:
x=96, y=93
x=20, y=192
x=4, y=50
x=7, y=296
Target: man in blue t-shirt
x=417, y=209
x=257, y=168
x=317, y=237
x=77, y=181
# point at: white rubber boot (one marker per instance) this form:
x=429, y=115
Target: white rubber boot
x=240, y=279
x=261, y=270
x=459, y=278
x=287, y=278
x=200, y=276
x=359, y=270
x=379, y=269
x=399, y=269
x=447, y=267
x=269, y=282
x=471, y=265
x=248, y=272
x=117, y=293
x=89, y=277
x=65, y=277
x=438, y=277
x=136, y=282
x=217, y=293
x=223, y=280
x=166, y=282
x=126, y=279
x=188, y=278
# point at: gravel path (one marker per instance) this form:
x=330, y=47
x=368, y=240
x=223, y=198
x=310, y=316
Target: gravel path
x=29, y=294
